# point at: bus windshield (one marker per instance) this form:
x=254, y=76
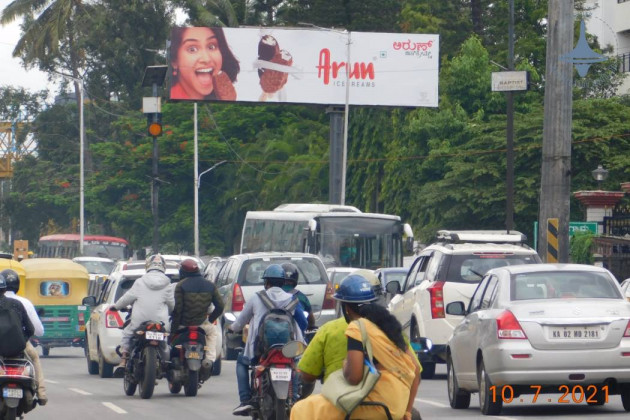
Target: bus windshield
x=359, y=242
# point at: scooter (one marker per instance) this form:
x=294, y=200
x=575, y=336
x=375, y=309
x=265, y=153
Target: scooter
x=272, y=381
x=17, y=380
x=188, y=366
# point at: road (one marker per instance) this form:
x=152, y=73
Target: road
x=74, y=394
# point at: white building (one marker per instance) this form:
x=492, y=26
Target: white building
x=610, y=21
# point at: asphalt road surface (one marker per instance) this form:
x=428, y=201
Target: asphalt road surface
x=74, y=394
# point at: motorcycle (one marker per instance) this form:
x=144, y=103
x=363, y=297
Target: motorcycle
x=17, y=380
x=188, y=366
x=272, y=381
x=146, y=359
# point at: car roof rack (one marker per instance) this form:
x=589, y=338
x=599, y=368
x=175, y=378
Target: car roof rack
x=481, y=236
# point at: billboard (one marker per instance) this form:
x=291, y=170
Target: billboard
x=303, y=66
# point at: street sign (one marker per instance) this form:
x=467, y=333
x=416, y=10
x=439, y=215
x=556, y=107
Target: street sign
x=574, y=227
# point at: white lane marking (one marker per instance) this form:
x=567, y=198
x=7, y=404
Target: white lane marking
x=433, y=403
x=79, y=391
x=50, y=381
x=114, y=408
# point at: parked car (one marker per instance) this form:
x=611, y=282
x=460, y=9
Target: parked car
x=98, y=268
x=446, y=271
x=241, y=277
x=212, y=268
x=103, y=333
x=540, y=329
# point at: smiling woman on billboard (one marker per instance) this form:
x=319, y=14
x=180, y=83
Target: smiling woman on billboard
x=203, y=66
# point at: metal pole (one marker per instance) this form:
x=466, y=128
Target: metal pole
x=509, y=97
x=155, y=189
x=81, y=179
x=196, y=165
x=345, y=127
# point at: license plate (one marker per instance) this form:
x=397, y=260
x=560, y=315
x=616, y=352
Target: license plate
x=152, y=335
x=577, y=332
x=12, y=392
x=280, y=374
x=193, y=355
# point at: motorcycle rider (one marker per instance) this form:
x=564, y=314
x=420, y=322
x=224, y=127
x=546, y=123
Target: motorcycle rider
x=196, y=295
x=252, y=313
x=13, y=285
x=152, y=298
x=291, y=281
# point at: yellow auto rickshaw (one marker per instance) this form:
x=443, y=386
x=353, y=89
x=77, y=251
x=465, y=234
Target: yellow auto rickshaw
x=8, y=263
x=57, y=286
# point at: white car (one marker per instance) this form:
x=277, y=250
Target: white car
x=103, y=333
x=98, y=269
x=625, y=288
x=446, y=271
x=179, y=258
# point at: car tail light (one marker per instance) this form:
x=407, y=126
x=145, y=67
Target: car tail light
x=329, y=302
x=436, y=293
x=238, y=301
x=508, y=326
x=113, y=319
x=627, y=332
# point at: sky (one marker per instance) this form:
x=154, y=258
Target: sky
x=11, y=72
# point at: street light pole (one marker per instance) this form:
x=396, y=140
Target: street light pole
x=79, y=81
x=197, y=184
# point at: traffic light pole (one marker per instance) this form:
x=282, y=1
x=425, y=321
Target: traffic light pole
x=155, y=187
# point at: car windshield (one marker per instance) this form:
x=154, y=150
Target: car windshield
x=471, y=268
x=563, y=285
x=311, y=271
x=98, y=267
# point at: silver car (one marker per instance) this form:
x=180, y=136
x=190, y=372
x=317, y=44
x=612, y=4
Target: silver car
x=541, y=329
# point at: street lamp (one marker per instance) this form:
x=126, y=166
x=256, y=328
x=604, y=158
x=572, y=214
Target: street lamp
x=600, y=174
x=81, y=160
x=197, y=184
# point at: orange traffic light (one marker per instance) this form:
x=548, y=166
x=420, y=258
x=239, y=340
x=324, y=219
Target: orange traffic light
x=155, y=129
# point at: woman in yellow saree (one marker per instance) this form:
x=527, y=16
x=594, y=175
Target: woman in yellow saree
x=400, y=371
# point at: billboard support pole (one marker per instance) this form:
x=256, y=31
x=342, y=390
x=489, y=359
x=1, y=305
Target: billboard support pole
x=345, y=127
x=336, y=154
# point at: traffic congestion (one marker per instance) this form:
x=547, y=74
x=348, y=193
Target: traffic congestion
x=485, y=328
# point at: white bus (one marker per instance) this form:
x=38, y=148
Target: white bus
x=342, y=236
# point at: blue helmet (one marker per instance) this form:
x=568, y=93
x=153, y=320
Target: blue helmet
x=355, y=289
x=274, y=274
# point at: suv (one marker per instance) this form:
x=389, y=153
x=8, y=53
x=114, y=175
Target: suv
x=241, y=277
x=446, y=271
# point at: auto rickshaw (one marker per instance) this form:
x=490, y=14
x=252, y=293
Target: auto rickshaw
x=57, y=286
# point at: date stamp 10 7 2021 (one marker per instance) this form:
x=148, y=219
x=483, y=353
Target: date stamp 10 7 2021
x=569, y=394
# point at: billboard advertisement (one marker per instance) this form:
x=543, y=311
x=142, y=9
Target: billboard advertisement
x=303, y=66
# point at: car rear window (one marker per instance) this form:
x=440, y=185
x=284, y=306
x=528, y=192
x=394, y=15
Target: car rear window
x=471, y=268
x=311, y=270
x=563, y=285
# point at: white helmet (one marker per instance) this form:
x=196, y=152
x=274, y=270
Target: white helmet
x=156, y=262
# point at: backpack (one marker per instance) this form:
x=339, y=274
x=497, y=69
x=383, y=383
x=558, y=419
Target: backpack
x=277, y=326
x=12, y=340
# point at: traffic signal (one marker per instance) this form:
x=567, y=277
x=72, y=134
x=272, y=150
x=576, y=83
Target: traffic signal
x=154, y=124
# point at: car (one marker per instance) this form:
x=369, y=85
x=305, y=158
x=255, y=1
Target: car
x=445, y=271
x=540, y=329
x=241, y=277
x=336, y=274
x=98, y=269
x=386, y=275
x=103, y=333
x=179, y=258
x=625, y=288
x=212, y=268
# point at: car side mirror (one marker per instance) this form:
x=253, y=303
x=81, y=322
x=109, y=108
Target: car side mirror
x=393, y=287
x=456, y=308
x=89, y=301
